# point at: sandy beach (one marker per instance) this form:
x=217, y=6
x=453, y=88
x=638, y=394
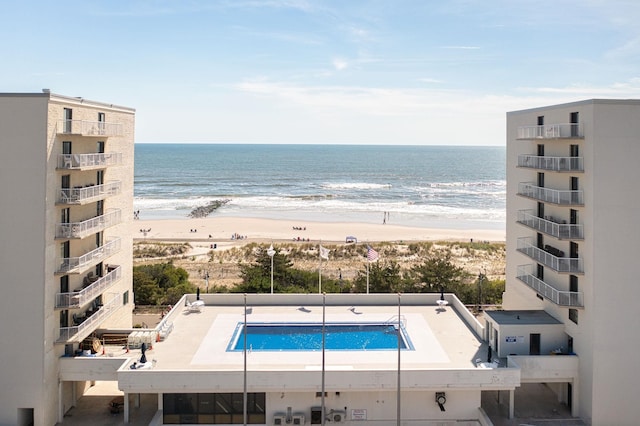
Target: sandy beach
x=220, y=230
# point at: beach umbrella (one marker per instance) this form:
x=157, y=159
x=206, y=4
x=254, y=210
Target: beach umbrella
x=143, y=349
x=198, y=294
x=441, y=293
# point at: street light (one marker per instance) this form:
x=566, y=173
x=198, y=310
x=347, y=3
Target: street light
x=271, y=252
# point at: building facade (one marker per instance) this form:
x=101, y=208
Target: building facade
x=66, y=257
x=571, y=253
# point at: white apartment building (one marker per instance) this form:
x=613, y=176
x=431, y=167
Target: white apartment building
x=66, y=252
x=572, y=244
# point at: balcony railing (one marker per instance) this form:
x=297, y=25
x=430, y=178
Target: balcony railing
x=90, y=226
x=88, y=194
x=550, y=226
x=76, y=265
x=557, y=263
x=77, y=299
x=554, y=196
x=551, y=131
x=89, y=128
x=79, y=332
x=86, y=161
x=561, y=298
x=558, y=164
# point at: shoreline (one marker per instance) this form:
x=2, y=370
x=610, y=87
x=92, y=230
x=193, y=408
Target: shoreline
x=219, y=230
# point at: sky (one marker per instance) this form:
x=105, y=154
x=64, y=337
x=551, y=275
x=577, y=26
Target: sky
x=375, y=72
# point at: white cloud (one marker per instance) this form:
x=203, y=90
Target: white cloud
x=340, y=64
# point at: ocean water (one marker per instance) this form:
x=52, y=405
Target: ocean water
x=426, y=186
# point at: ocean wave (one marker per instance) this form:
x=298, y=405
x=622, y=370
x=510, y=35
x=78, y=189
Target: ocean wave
x=354, y=185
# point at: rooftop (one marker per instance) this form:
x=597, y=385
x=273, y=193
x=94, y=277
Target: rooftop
x=199, y=340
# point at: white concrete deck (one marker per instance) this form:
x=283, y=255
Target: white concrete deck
x=199, y=341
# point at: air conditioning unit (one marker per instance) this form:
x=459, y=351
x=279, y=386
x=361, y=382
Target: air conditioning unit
x=297, y=419
x=337, y=416
x=279, y=419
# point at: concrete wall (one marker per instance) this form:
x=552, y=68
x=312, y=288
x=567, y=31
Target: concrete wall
x=23, y=128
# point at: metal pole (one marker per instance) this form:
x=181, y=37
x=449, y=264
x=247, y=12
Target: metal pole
x=271, y=252
x=399, y=341
x=324, y=297
x=367, y=276
x=244, y=396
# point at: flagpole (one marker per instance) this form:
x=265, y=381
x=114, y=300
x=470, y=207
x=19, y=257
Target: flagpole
x=367, y=276
x=320, y=268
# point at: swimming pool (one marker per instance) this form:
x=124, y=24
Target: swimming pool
x=308, y=337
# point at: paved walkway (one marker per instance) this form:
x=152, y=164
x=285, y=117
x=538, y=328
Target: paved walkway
x=94, y=408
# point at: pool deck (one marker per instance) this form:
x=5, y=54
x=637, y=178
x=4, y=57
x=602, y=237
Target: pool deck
x=200, y=340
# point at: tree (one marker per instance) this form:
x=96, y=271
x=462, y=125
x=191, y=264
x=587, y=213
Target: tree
x=160, y=283
x=256, y=277
x=383, y=278
x=435, y=274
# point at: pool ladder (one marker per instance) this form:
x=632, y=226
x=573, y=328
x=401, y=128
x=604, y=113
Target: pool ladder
x=394, y=321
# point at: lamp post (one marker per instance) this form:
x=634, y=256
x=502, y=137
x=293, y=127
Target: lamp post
x=271, y=252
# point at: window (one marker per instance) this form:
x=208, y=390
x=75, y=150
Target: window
x=125, y=297
x=100, y=147
x=573, y=315
x=213, y=408
x=541, y=180
x=68, y=117
x=574, y=117
x=65, y=215
x=66, y=147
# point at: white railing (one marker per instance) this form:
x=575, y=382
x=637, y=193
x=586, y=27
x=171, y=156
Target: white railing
x=76, y=299
x=88, y=193
x=78, y=264
x=551, y=131
x=555, y=196
x=557, y=263
x=89, y=128
x=90, y=226
x=558, y=164
x=561, y=298
x=92, y=322
x=80, y=161
x=550, y=226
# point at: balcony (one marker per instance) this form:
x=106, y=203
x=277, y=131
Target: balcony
x=553, y=196
x=77, y=265
x=88, y=194
x=557, y=164
x=555, y=260
x=89, y=128
x=78, y=332
x=77, y=299
x=545, y=368
x=90, y=226
x=88, y=161
x=551, y=226
x=571, y=299
x=551, y=131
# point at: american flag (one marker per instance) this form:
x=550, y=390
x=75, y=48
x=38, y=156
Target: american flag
x=372, y=254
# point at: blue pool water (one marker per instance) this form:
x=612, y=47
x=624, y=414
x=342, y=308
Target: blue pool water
x=308, y=337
